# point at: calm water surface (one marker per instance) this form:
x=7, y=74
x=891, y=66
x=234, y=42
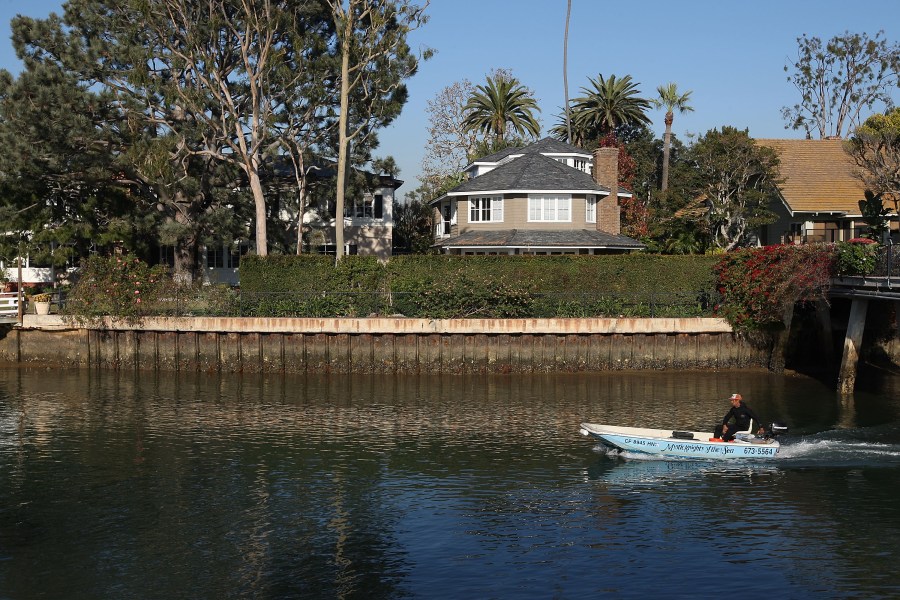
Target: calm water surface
x=153, y=485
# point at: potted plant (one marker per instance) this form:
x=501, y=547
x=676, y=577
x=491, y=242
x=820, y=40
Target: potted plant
x=41, y=303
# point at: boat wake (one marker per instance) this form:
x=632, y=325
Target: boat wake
x=875, y=447
x=837, y=452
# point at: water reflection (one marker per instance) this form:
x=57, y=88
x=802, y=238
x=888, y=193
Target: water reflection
x=141, y=486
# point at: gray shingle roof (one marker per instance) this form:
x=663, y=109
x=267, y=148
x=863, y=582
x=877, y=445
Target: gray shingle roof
x=554, y=146
x=545, y=145
x=542, y=238
x=498, y=156
x=533, y=171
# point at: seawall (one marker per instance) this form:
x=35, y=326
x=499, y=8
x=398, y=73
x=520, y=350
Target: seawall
x=380, y=345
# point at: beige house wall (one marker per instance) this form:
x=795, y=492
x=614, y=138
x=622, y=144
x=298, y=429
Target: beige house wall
x=369, y=239
x=515, y=216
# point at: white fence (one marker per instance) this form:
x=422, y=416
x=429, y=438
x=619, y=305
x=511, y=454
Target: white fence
x=9, y=305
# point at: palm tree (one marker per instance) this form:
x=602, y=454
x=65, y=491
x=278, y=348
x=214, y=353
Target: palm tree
x=501, y=105
x=671, y=100
x=612, y=102
x=566, y=74
x=571, y=131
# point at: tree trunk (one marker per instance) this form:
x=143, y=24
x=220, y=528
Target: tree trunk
x=185, y=262
x=566, y=74
x=343, y=142
x=301, y=211
x=184, y=269
x=666, y=140
x=259, y=200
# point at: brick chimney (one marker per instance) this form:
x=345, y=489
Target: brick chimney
x=606, y=173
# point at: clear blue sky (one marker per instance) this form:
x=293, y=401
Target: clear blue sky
x=730, y=53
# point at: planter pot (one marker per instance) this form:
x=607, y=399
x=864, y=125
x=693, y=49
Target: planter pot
x=42, y=308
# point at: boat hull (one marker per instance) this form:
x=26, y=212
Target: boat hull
x=661, y=442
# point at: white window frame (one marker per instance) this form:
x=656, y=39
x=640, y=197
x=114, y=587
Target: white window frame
x=590, y=208
x=490, y=206
x=549, y=208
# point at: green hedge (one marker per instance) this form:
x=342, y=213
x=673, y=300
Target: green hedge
x=438, y=286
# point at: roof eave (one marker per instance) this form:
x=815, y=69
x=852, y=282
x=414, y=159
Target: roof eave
x=525, y=191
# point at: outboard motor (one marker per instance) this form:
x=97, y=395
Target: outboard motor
x=776, y=429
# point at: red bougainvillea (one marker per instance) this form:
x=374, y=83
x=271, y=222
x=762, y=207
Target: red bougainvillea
x=758, y=285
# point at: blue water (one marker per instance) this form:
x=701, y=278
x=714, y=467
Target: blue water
x=186, y=486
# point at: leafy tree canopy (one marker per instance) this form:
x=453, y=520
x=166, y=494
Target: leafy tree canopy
x=875, y=146
x=735, y=180
x=838, y=80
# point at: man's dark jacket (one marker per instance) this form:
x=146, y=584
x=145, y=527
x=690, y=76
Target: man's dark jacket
x=741, y=415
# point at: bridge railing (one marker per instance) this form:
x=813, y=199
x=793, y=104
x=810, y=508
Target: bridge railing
x=888, y=262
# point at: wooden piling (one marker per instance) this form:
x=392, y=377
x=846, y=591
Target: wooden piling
x=852, y=344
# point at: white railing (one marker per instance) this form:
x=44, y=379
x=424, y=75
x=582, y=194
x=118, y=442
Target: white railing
x=9, y=304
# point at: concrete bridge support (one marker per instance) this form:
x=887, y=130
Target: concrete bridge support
x=852, y=344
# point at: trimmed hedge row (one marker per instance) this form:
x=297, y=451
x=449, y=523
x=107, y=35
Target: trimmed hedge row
x=439, y=286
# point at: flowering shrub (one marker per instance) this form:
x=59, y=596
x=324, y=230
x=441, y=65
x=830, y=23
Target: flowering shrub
x=117, y=286
x=857, y=256
x=758, y=285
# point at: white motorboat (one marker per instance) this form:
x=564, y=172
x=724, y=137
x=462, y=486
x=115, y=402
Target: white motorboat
x=682, y=444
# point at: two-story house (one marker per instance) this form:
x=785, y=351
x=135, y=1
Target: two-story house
x=368, y=223
x=368, y=218
x=547, y=198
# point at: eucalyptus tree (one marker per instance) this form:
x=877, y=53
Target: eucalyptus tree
x=671, y=100
x=375, y=60
x=607, y=104
x=502, y=107
x=838, y=80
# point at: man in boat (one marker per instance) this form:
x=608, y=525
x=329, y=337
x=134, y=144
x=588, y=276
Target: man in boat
x=741, y=417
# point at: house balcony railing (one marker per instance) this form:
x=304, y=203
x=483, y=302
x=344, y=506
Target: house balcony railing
x=888, y=262
x=442, y=230
x=828, y=236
